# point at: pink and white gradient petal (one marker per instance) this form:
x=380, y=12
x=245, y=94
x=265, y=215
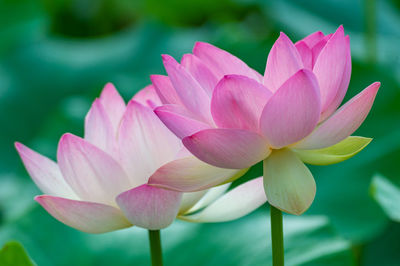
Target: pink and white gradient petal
x=45, y=173
x=150, y=207
x=305, y=54
x=330, y=67
x=343, y=122
x=89, y=217
x=228, y=148
x=179, y=120
x=192, y=95
x=148, y=97
x=189, y=174
x=293, y=111
x=238, y=101
x=165, y=91
x=344, y=84
x=98, y=128
x=200, y=72
x=113, y=104
x=93, y=174
x=140, y=137
x=313, y=39
x=222, y=63
x=282, y=63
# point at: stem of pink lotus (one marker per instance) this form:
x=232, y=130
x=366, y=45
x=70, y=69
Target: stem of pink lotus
x=277, y=237
x=155, y=248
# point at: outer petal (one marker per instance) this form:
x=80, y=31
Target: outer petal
x=148, y=97
x=145, y=143
x=200, y=72
x=293, y=111
x=113, y=104
x=228, y=148
x=93, y=174
x=89, y=217
x=223, y=63
x=305, y=54
x=211, y=195
x=45, y=173
x=283, y=61
x=190, y=174
x=236, y=203
x=189, y=199
x=179, y=120
x=165, y=90
x=238, y=101
x=343, y=85
x=192, y=95
x=330, y=67
x=313, y=39
x=343, y=122
x=337, y=153
x=98, y=128
x=288, y=183
x=150, y=207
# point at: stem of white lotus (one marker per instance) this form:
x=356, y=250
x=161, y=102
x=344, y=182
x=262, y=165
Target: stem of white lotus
x=277, y=237
x=155, y=248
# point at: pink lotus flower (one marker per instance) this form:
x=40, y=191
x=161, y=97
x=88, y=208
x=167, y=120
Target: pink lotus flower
x=99, y=183
x=230, y=116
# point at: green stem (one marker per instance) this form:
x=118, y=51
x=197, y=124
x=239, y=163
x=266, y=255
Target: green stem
x=277, y=237
x=155, y=248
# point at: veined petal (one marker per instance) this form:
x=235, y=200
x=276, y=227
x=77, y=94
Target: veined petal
x=150, y=207
x=282, y=63
x=238, y=101
x=179, y=120
x=227, y=148
x=223, y=63
x=145, y=143
x=190, y=174
x=293, y=111
x=98, y=128
x=236, y=203
x=288, y=183
x=89, y=217
x=343, y=122
x=305, y=54
x=45, y=173
x=113, y=104
x=316, y=50
x=192, y=95
x=337, y=153
x=148, y=97
x=200, y=72
x=312, y=39
x=344, y=84
x=165, y=90
x=330, y=67
x=92, y=174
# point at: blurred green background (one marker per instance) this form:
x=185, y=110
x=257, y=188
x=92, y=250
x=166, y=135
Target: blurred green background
x=56, y=55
